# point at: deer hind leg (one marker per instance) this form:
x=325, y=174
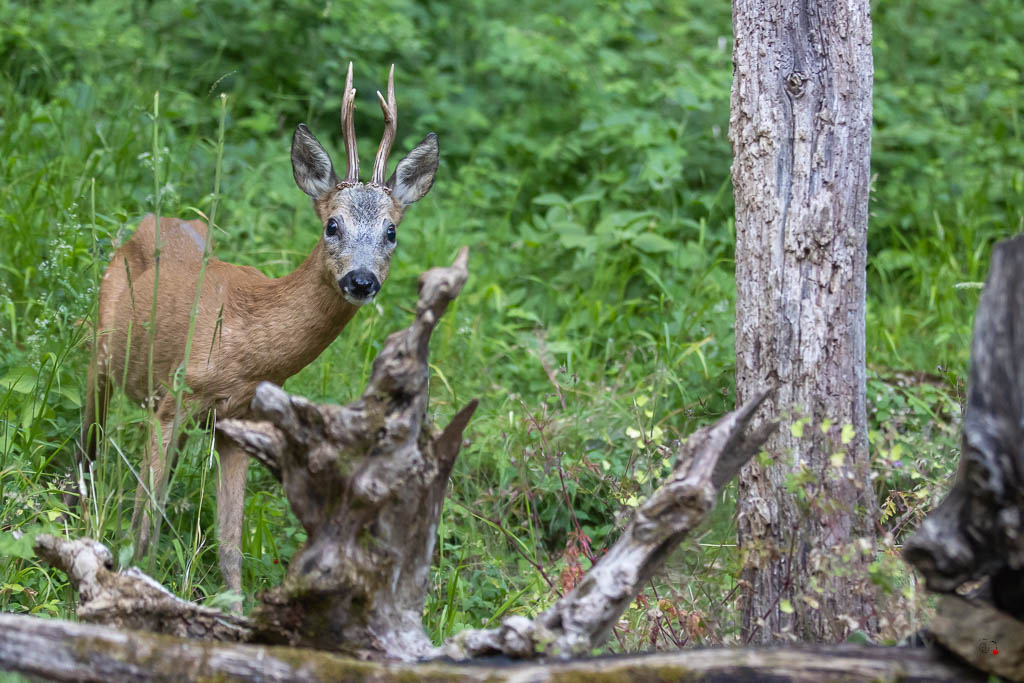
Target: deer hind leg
x=234, y=464
x=154, y=472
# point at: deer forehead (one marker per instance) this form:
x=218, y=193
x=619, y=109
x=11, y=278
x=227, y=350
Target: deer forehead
x=361, y=207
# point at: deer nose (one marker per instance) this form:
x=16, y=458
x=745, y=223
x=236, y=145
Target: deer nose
x=359, y=284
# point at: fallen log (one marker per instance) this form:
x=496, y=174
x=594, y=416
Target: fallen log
x=367, y=481
x=65, y=651
x=130, y=599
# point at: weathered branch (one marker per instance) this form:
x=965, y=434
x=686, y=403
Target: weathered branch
x=66, y=651
x=978, y=530
x=131, y=599
x=582, y=620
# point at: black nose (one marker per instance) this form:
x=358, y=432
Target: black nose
x=359, y=284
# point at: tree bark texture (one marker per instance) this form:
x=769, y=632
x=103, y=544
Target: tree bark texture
x=978, y=530
x=130, y=599
x=986, y=638
x=377, y=623
x=800, y=127
x=64, y=651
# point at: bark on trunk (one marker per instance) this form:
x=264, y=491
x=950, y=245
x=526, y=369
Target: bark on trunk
x=65, y=651
x=800, y=127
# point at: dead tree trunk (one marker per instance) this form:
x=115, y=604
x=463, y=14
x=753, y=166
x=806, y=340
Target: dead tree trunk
x=367, y=481
x=337, y=601
x=977, y=533
x=800, y=127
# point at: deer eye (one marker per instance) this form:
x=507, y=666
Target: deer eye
x=332, y=227
x=391, y=234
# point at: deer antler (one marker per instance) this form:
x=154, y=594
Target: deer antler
x=390, y=127
x=348, y=130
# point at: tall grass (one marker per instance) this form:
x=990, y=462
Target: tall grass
x=585, y=161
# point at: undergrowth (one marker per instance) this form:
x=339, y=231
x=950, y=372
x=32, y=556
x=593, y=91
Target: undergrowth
x=585, y=162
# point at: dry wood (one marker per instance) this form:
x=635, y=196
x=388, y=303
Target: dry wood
x=583, y=619
x=130, y=599
x=978, y=530
x=800, y=126
x=977, y=533
x=988, y=639
x=366, y=481
x=65, y=651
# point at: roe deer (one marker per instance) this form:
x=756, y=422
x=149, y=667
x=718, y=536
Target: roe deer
x=248, y=328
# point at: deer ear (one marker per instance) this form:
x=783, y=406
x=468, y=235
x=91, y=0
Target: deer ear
x=414, y=174
x=311, y=165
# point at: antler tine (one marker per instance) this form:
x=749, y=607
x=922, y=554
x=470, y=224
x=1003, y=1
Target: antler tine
x=390, y=110
x=348, y=130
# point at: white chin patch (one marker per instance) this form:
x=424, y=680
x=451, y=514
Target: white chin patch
x=358, y=302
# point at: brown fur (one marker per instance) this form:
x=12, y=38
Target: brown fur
x=248, y=329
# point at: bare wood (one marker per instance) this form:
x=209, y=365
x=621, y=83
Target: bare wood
x=387, y=139
x=583, y=619
x=990, y=640
x=65, y=651
x=978, y=530
x=359, y=583
x=800, y=126
x=348, y=128
x=367, y=482
x=131, y=599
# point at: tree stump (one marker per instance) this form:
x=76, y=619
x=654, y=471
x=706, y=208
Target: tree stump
x=977, y=532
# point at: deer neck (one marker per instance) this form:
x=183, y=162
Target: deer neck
x=305, y=312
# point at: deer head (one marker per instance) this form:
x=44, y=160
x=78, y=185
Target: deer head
x=360, y=219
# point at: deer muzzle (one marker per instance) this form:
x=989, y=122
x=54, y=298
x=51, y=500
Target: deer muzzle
x=359, y=286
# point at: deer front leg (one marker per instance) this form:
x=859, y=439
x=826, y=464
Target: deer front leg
x=234, y=464
x=153, y=471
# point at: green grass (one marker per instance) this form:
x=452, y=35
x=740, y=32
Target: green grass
x=585, y=162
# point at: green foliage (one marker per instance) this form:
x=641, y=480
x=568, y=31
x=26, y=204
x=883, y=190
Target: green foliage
x=946, y=154
x=585, y=162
